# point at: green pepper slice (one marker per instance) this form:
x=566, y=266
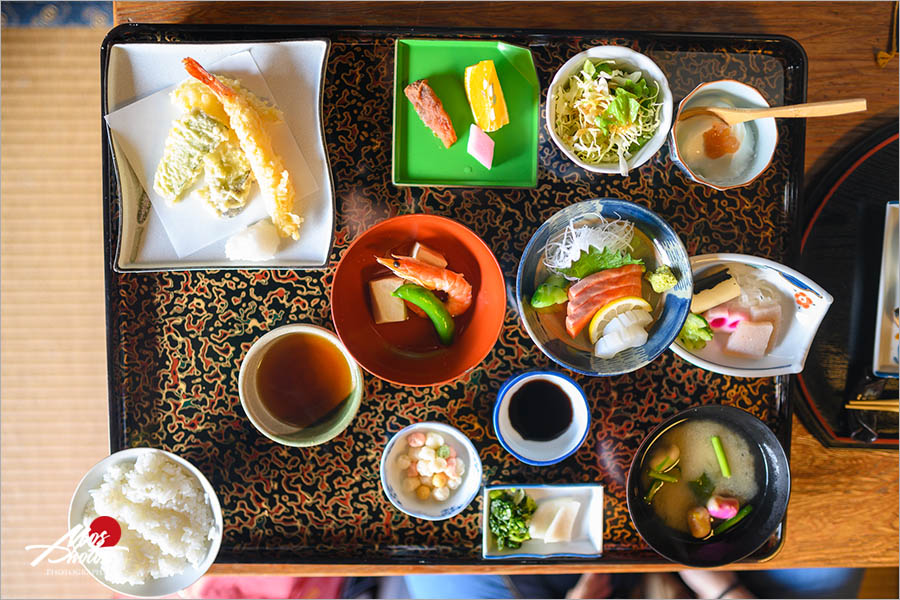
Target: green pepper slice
x=433, y=307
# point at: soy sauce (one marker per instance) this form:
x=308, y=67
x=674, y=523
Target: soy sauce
x=540, y=410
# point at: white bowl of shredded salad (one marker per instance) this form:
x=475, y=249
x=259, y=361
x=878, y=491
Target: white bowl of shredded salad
x=609, y=109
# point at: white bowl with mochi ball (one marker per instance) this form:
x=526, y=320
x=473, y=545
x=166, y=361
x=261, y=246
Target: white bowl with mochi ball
x=394, y=473
x=543, y=452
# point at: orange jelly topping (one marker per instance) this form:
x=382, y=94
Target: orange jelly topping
x=719, y=141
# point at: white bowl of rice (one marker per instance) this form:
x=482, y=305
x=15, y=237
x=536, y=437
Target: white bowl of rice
x=597, y=126
x=168, y=514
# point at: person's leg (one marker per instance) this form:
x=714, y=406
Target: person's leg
x=435, y=587
x=542, y=586
x=803, y=583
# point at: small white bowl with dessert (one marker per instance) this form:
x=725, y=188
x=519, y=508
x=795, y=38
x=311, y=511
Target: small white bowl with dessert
x=717, y=155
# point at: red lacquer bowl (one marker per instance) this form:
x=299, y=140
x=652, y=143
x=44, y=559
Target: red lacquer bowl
x=409, y=352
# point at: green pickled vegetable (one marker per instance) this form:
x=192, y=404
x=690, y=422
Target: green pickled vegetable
x=433, y=307
x=552, y=291
x=720, y=456
x=508, y=517
x=695, y=333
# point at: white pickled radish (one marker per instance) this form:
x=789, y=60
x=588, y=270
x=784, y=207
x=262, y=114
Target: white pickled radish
x=612, y=343
x=635, y=316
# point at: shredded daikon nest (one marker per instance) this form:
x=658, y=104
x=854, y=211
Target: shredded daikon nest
x=612, y=234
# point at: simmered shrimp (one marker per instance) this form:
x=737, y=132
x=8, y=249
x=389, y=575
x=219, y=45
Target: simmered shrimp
x=274, y=180
x=458, y=290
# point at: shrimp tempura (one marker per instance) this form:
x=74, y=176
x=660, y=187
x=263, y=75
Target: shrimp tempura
x=274, y=180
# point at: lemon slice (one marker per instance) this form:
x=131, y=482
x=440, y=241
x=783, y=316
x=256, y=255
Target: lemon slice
x=611, y=310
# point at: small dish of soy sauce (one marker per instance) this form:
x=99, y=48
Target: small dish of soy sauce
x=541, y=417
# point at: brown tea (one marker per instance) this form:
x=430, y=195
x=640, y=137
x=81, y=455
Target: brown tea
x=302, y=377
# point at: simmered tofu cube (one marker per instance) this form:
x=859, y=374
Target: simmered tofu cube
x=427, y=255
x=385, y=307
x=750, y=339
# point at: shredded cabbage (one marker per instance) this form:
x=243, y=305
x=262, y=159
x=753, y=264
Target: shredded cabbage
x=605, y=114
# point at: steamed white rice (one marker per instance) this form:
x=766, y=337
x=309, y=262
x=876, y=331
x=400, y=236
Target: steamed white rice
x=166, y=521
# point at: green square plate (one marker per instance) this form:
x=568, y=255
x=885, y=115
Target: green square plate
x=419, y=157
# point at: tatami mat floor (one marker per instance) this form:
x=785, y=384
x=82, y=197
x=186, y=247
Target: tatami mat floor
x=52, y=424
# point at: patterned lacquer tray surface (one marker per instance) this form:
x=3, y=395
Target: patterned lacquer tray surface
x=176, y=339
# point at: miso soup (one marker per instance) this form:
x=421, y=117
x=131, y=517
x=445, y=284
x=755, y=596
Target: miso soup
x=698, y=472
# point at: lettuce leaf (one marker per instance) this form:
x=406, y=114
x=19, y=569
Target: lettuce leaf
x=598, y=260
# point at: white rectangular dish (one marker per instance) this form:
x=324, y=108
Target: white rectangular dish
x=886, y=354
x=587, y=532
x=294, y=71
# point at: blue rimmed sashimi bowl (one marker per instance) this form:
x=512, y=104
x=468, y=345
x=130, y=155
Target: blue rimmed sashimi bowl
x=546, y=328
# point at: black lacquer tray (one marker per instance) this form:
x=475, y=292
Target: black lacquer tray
x=841, y=250
x=176, y=339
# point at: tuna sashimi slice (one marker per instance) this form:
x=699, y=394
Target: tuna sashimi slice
x=589, y=296
x=578, y=318
x=604, y=275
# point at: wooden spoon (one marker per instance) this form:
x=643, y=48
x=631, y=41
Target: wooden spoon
x=733, y=116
